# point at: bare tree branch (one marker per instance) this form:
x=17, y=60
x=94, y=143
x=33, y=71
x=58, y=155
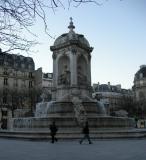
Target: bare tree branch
x=19, y=15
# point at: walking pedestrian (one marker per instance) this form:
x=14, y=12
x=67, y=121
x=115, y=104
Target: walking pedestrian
x=53, y=131
x=136, y=121
x=85, y=131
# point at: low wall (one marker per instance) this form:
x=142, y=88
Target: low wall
x=68, y=122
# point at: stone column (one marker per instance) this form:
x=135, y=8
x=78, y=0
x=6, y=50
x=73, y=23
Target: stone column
x=54, y=76
x=54, y=70
x=0, y=118
x=73, y=67
x=89, y=69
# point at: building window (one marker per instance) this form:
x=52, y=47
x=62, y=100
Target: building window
x=141, y=96
x=4, y=100
x=30, y=66
x=16, y=65
x=140, y=75
x=15, y=82
x=23, y=74
x=5, y=72
x=6, y=63
x=22, y=65
x=5, y=81
x=30, y=74
x=30, y=84
x=23, y=84
x=141, y=82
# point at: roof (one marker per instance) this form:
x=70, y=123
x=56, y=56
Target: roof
x=66, y=37
x=71, y=38
x=16, y=61
x=106, y=88
x=141, y=73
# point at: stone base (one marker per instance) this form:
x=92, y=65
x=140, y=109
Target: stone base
x=67, y=108
x=63, y=114
x=69, y=123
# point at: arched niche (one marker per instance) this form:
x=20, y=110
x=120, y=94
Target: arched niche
x=82, y=70
x=141, y=95
x=63, y=70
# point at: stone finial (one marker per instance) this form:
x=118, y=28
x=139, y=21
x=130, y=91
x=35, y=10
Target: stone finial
x=71, y=25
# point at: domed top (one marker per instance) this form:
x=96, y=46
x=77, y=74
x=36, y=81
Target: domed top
x=71, y=36
x=141, y=73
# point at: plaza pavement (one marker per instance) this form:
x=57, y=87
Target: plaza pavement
x=113, y=149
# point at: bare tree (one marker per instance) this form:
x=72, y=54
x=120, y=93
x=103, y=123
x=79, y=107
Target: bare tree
x=19, y=15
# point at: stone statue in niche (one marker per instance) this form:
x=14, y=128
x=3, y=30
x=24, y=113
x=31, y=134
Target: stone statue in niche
x=82, y=79
x=64, y=78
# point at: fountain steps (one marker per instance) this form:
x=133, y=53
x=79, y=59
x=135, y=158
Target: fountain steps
x=69, y=134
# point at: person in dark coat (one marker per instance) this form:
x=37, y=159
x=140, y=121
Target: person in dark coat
x=85, y=131
x=53, y=131
x=136, y=121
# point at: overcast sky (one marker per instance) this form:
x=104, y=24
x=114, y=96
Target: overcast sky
x=116, y=30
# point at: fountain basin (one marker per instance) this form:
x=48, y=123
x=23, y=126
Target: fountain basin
x=69, y=123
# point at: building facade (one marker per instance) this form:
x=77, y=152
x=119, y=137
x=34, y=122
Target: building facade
x=140, y=90
x=113, y=96
x=140, y=83
x=16, y=82
x=43, y=83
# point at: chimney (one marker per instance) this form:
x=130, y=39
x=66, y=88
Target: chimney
x=109, y=85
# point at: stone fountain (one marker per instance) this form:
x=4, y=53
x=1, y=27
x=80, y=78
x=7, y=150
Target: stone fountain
x=72, y=104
